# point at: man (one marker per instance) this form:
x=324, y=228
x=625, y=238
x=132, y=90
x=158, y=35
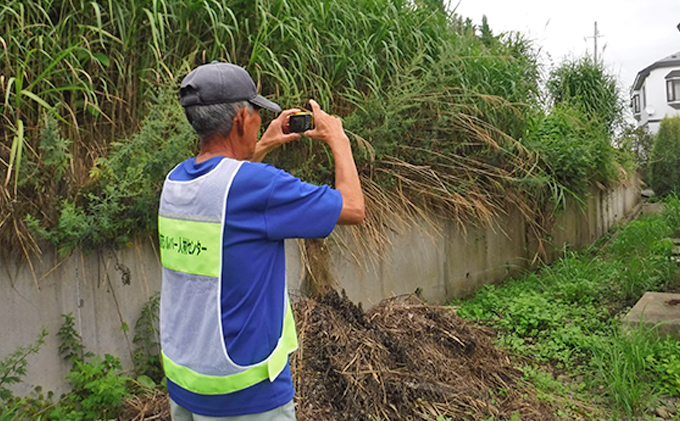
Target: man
x=226, y=325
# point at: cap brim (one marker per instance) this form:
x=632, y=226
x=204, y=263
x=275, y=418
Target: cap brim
x=263, y=102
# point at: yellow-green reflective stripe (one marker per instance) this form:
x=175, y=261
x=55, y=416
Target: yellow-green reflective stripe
x=213, y=385
x=277, y=361
x=220, y=385
x=190, y=246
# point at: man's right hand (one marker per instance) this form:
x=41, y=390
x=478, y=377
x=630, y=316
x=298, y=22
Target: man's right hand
x=329, y=129
x=326, y=127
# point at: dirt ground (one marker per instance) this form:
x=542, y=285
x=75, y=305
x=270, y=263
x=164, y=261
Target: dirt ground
x=402, y=360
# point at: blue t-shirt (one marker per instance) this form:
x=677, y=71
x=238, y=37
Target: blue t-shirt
x=265, y=205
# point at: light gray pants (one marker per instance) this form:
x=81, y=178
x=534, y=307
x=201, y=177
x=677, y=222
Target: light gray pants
x=282, y=413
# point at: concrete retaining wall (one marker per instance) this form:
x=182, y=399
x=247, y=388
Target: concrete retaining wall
x=105, y=290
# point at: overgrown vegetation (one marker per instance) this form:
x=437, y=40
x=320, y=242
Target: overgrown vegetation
x=438, y=108
x=584, y=83
x=98, y=385
x=665, y=158
x=640, y=141
x=12, y=369
x=568, y=314
x=574, y=148
x=445, y=116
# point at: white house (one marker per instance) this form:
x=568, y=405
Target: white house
x=655, y=93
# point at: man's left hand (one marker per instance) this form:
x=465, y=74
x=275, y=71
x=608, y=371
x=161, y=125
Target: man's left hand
x=276, y=135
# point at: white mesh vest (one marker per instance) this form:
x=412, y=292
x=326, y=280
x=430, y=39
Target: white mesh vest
x=191, y=226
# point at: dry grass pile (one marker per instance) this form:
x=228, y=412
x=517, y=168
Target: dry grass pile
x=403, y=360
x=152, y=405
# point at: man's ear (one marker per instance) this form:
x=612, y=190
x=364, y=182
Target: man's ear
x=240, y=121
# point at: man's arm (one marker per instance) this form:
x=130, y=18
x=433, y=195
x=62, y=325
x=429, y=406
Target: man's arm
x=275, y=136
x=329, y=129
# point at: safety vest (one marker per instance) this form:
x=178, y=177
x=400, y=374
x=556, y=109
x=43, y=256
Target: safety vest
x=191, y=226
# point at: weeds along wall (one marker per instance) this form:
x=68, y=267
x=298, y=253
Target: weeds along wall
x=106, y=290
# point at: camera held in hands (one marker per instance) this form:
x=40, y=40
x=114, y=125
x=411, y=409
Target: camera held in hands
x=300, y=122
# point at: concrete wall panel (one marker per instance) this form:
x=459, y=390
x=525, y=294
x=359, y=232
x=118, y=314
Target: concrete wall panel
x=415, y=261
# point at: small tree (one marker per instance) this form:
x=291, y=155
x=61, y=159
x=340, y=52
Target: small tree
x=640, y=141
x=665, y=159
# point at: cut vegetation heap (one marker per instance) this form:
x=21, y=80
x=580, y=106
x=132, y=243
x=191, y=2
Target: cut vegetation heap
x=403, y=360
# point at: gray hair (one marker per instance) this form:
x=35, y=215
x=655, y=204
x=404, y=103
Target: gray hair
x=215, y=119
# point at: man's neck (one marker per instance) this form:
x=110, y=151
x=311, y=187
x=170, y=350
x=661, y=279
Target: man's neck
x=218, y=147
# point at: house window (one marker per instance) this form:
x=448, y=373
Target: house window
x=636, y=104
x=673, y=90
x=644, y=97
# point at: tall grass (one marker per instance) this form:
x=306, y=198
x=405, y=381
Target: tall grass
x=586, y=83
x=437, y=112
x=621, y=364
x=415, y=82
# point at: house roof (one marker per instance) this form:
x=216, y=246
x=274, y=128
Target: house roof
x=670, y=61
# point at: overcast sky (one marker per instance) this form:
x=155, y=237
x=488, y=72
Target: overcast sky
x=634, y=33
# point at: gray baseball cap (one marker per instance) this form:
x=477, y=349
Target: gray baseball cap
x=219, y=83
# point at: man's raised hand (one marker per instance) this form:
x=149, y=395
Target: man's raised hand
x=276, y=135
x=327, y=128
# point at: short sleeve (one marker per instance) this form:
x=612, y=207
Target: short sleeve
x=296, y=209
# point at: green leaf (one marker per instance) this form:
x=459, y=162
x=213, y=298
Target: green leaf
x=102, y=58
x=146, y=382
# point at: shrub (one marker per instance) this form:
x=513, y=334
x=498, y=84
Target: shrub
x=585, y=83
x=665, y=158
x=98, y=388
x=575, y=149
x=640, y=141
x=122, y=199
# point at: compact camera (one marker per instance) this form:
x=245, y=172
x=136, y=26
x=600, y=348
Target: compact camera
x=300, y=122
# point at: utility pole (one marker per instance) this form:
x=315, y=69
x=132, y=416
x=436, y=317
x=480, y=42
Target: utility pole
x=596, y=35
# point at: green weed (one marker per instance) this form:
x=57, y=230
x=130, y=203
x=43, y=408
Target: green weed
x=13, y=367
x=147, y=354
x=567, y=314
x=665, y=362
x=621, y=365
x=98, y=388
